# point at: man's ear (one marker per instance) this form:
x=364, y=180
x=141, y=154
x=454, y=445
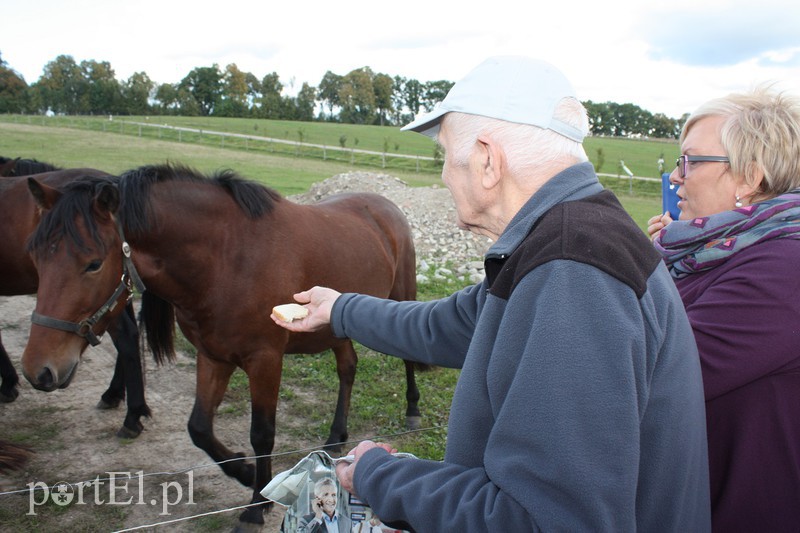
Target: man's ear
x=493, y=161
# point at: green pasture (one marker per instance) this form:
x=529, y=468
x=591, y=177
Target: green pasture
x=340, y=142
x=309, y=141
x=372, y=138
x=118, y=145
x=66, y=147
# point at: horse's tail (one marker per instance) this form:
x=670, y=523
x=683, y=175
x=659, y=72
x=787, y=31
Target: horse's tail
x=157, y=321
x=13, y=456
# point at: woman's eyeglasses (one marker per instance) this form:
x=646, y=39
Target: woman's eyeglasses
x=683, y=162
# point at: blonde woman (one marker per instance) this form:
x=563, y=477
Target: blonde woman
x=735, y=258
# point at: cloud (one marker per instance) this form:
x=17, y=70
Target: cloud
x=781, y=58
x=722, y=36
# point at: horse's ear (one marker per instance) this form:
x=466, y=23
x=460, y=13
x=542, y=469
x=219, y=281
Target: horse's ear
x=7, y=166
x=44, y=195
x=106, y=199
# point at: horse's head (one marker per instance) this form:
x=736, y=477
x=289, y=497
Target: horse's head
x=82, y=282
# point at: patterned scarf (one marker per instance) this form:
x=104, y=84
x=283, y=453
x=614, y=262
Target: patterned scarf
x=690, y=246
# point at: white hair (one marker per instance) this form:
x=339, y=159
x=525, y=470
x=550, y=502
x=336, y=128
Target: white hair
x=526, y=146
x=320, y=485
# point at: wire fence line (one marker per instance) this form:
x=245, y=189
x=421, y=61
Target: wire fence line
x=325, y=148
x=260, y=138
x=299, y=451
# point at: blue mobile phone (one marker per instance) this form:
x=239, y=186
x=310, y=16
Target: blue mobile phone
x=669, y=197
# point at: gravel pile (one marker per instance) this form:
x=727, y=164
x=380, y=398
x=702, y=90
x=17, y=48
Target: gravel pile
x=440, y=244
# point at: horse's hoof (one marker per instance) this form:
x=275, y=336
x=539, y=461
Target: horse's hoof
x=413, y=422
x=252, y=519
x=128, y=433
x=243, y=472
x=104, y=405
x=9, y=396
x=333, y=447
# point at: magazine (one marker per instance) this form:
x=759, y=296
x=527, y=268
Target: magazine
x=313, y=498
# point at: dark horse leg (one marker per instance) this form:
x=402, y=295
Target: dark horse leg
x=264, y=376
x=9, y=377
x=346, y=362
x=128, y=375
x=212, y=380
x=413, y=416
x=405, y=288
x=115, y=393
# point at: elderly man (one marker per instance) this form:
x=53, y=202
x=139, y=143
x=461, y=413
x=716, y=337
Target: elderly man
x=580, y=403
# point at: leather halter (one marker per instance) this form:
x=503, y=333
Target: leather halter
x=130, y=279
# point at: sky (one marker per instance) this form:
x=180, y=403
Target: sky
x=663, y=56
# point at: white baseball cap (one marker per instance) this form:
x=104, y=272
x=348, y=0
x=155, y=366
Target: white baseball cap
x=512, y=88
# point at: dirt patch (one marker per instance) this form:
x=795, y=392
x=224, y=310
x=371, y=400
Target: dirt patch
x=75, y=442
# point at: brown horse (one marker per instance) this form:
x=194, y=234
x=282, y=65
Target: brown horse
x=19, y=216
x=222, y=251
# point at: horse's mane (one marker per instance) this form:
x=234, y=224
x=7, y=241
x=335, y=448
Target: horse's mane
x=254, y=199
x=134, y=186
x=59, y=222
x=26, y=167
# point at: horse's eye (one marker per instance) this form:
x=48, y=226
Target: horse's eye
x=94, y=266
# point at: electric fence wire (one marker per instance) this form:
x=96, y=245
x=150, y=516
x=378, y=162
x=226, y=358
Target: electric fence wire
x=300, y=451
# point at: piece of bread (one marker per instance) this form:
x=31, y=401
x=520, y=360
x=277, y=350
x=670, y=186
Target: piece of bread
x=290, y=312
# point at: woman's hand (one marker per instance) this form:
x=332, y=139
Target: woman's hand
x=656, y=224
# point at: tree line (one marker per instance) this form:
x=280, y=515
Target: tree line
x=358, y=97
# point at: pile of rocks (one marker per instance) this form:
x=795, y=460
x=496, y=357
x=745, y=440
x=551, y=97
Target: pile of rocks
x=439, y=242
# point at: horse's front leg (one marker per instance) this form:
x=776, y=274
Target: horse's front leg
x=264, y=376
x=346, y=362
x=128, y=379
x=115, y=392
x=9, y=377
x=212, y=380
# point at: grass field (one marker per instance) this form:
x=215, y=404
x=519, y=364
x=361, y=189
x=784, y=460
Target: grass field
x=96, y=142
x=117, y=153
x=641, y=156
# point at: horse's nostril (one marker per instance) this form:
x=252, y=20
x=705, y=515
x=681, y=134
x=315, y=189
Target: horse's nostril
x=45, y=379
